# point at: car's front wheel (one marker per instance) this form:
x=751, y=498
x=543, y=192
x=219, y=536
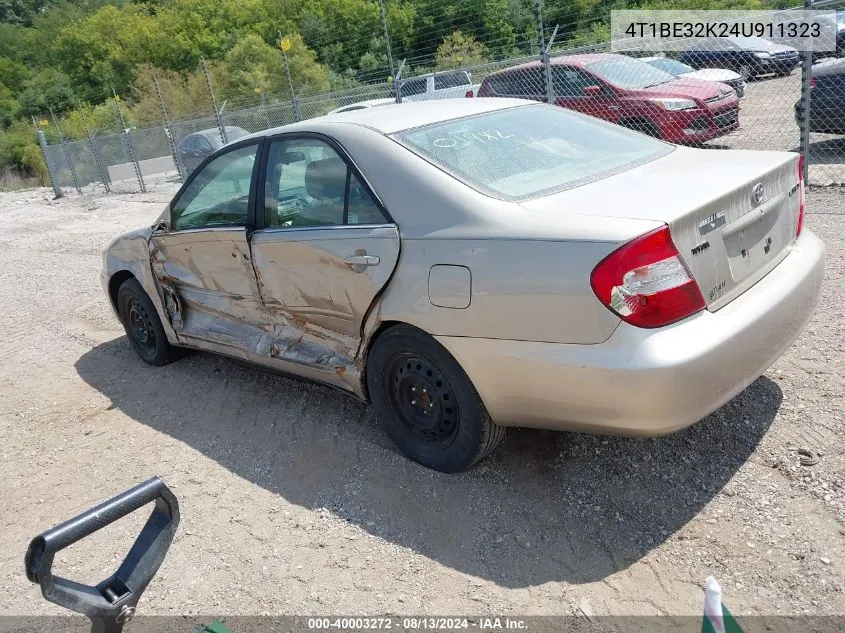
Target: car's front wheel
x=426, y=402
x=143, y=325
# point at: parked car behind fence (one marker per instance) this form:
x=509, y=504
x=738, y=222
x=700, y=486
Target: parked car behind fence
x=196, y=147
x=684, y=71
x=827, y=105
x=748, y=56
x=626, y=91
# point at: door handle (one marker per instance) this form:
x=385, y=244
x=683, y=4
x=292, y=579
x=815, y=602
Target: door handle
x=362, y=260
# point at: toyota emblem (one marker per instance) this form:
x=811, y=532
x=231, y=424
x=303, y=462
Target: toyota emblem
x=757, y=194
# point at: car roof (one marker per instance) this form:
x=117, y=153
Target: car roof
x=829, y=67
x=396, y=117
x=580, y=60
x=214, y=131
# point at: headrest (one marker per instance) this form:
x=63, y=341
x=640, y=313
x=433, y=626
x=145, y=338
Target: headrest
x=326, y=178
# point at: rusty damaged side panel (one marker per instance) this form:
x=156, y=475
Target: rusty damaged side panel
x=213, y=301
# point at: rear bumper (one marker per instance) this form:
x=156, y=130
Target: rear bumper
x=648, y=382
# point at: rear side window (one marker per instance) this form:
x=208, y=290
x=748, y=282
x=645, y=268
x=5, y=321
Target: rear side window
x=530, y=151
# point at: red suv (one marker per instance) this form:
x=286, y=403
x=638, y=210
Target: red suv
x=626, y=91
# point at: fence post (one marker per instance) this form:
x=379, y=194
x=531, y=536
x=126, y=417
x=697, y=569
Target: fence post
x=284, y=44
x=547, y=65
x=177, y=161
x=68, y=159
x=539, y=7
x=386, y=36
x=297, y=111
x=104, y=174
x=217, y=116
x=266, y=111
x=806, y=99
x=397, y=82
x=42, y=142
x=126, y=138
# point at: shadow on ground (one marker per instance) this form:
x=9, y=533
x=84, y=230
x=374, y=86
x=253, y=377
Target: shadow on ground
x=545, y=507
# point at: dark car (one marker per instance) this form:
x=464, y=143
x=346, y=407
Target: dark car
x=827, y=98
x=194, y=148
x=626, y=91
x=748, y=56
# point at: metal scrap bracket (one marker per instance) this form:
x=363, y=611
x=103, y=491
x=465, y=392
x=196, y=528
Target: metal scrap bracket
x=110, y=604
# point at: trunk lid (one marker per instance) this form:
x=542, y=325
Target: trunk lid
x=726, y=237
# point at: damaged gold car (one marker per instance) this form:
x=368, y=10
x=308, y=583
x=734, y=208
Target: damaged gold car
x=472, y=264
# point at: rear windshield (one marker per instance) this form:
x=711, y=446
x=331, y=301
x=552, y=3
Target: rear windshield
x=530, y=151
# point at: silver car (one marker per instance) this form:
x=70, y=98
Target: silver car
x=473, y=264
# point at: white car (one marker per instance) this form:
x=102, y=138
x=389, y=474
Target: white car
x=362, y=105
x=722, y=75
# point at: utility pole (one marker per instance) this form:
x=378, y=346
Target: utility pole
x=386, y=37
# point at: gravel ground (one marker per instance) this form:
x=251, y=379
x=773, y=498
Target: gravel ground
x=293, y=488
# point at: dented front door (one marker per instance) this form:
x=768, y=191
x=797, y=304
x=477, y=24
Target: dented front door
x=202, y=261
x=324, y=251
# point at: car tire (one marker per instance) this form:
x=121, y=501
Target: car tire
x=644, y=126
x=745, y=71
x=143, y=326
x=426, y=403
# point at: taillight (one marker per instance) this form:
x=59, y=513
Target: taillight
x=801, y=197
x=469, y=94
x=646, y=283
x=812, y=82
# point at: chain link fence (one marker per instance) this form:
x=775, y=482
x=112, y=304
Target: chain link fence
x=746, y=93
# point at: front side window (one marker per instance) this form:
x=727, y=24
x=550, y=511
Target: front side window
x=451, y=80
x=529, y=151
x=413, y=87
x=309, y=185
x=219, y=194
x=570, y=82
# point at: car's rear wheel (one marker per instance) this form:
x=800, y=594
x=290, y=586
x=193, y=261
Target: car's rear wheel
x=143, y=325
x=426, y=402
x=745, y=71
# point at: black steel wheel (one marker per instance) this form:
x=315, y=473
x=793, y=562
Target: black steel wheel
x=425, y=399
x=143, y=325
x=426, y=402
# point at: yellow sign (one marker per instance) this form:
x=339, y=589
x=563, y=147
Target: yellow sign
x=285, y=44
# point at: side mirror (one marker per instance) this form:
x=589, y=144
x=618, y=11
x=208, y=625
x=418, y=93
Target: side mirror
x=592, y=91
x=162, y=223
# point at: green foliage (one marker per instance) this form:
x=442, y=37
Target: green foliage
x=19, y=151
x=58, y=53
x=48, y=89
x=459, y=50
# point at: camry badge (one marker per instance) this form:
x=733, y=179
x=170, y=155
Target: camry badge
x=757, y=194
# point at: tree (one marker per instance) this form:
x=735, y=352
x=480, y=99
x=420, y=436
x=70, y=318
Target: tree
x=48, y=89
x=458, y=50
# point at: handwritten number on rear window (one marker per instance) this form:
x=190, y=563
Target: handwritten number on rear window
x=464, y=139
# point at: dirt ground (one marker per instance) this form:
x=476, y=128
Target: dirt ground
x=294, y=502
